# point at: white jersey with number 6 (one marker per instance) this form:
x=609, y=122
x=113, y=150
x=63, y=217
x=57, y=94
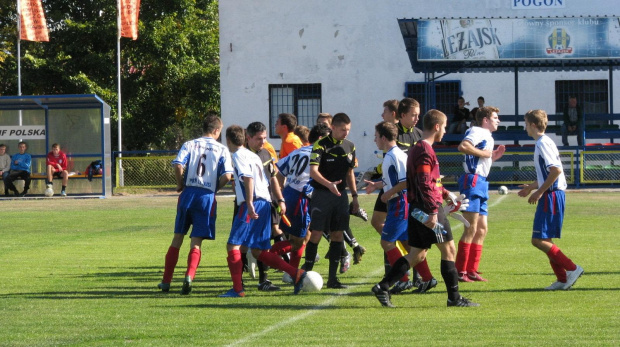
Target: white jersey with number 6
x=205, y=160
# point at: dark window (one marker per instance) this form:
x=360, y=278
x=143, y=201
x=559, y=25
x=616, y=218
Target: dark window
x=302, y=100
x=592, y=96
x=442, y=95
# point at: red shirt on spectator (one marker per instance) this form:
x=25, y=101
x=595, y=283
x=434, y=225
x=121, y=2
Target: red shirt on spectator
x=53, y=160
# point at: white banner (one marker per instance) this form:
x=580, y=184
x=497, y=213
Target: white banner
x=26, y=132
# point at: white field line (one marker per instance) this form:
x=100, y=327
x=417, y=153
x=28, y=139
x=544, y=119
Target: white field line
x=322, y=305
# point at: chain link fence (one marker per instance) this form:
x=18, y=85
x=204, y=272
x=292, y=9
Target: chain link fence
x=600, y=167
x=145, y=170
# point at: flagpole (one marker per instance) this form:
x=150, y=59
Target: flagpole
x=118, y=76
x=19, y=56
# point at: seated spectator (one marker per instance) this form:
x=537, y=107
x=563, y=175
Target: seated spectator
x=474, y=110
x=5, y=165
x=572, y=122
x=57, y=167
x=460, y=118
x=20, y=168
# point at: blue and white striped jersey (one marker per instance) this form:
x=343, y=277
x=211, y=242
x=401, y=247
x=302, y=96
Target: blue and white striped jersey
x=205, y=160
x=481, y=139
x=296, y=169
x=546, y=155
x=394, y=168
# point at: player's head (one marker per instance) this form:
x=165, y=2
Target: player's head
x=286, y=120
x=390, y=110
x=341, y=125
x=385, y=133
x=256, y=134
x=490, y=115
x=212, y=125
x=55, y=149
x=435, y=122
x=572, y=101
x=318, y=131
x=324, y=118
x=22, y=147
x=408, y=112
x=302, y=132
x=537, y=119
x=235, y=135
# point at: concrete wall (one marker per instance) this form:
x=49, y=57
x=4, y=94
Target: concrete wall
x=354, y=48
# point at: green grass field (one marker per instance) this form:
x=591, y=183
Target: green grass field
x=84, y=272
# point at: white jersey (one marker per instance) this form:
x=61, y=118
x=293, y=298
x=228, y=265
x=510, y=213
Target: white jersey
x=546, y=155
x=296, y=169
x=205, y=160
x=394, y=168
x=481, y=139
x=247, y=164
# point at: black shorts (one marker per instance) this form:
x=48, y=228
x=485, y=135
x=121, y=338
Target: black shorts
x=57, y=174
x=329, y=211
x=420, y=236
x=380, y=206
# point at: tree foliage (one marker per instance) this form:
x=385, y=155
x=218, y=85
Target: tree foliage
x=169, y=76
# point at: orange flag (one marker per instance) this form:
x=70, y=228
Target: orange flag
x=130, y=9
x=34, y=26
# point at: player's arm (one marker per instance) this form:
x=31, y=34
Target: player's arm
x=399, y=187
x=466, y=147
x=498, y=153
x=178, y=175
x=353, y=190
x=316, y=175
x=554, y=173
x=277, y=192
x=281, y=179
x=223, y=180
x=371, y=186
x=527, y=188
x=248, y=182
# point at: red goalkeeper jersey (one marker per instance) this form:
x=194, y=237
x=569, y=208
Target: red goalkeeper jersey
x=61, y=159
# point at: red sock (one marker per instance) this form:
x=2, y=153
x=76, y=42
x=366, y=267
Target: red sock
x=281, y=247
x=172, y=257
x=559, y=271
x=475, y=252
x=558, y=257
x=462, y=256
x=424, y=271
x=274, y=261
x=193, y=259
x=235, y=265
x=393, y=255
x=296, y=256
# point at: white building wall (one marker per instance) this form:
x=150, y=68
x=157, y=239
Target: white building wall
x=355, y=50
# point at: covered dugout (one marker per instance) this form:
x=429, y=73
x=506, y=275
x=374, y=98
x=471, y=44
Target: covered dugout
x=79, y=123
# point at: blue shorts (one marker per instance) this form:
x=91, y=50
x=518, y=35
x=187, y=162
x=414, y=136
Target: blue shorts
x=297, y=211
x=549, y=215
x=395, y=227
x=197, y=207
x=253, y=233
x=476, y=189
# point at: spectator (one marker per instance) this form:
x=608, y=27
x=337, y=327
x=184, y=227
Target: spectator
x=573, y=124
x=57, y=167
x=324, y=118
x=472, y=114
x=5, y=166
x=20, y=168
x=460, y=118
x=285, y=125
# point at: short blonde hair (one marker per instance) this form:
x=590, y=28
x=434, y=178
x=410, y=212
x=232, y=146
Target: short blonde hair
x=538, y=118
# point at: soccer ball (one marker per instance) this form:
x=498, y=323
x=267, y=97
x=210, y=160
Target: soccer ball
x=313, y=282
x=49, y=192
x=503, y=190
